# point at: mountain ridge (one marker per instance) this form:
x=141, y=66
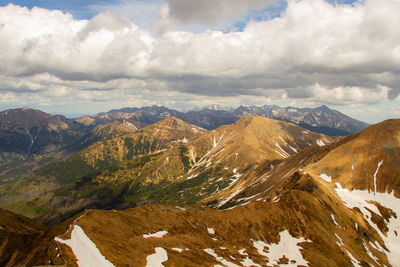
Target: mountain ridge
x=320, y=119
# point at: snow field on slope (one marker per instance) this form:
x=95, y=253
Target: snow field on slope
x=362, y=200
x=156, y=259
x=287, y=247
x=85, y=250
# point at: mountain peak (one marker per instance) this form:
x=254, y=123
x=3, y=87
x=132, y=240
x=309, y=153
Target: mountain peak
x=215, y=107
x=324, y=107
x=254, y=120
x=25, y=111
x=172, y=122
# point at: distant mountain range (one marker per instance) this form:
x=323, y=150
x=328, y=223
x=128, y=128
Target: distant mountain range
x=321, y=119
x=30, y=138
x=32, y=131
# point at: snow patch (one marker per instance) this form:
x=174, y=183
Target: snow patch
x=287, y=173
x=236, y=177
x=320, y=143
x=247, y=198
x=276, y=199
x=156, y=259
x=192, y=176
x=370, y=253
x=84, y=249
x=333, y=218
x=286, y=155
x=326, y=177
x=211, y=231
x=280, y=154
x=340, y=241
x=220, y=259
x=242, y=252
x=130, y=125
x=376, y=172
x=287, y=246
x=177, y=249
x=247, y=262
x=158, y=234
x=292, y=148
x=229, y=197
x=363, y=200
x=353, y=260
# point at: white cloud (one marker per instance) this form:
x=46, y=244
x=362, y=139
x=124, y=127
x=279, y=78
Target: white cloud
x=315, y=52
x=349, y=95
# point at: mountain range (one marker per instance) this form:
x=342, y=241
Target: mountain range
x=142, y=190
x=31, y=138
x=321, y=119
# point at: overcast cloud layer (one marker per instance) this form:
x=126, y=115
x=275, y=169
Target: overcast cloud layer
x=210, y=11
x=314, y=53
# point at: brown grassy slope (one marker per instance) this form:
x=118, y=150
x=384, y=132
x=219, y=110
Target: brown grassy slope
x=354, y=163
x=17, y=236
x=252, y=145
x=119, y=234
x=254, y=139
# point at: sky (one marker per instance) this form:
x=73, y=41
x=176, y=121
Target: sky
x=81, y=57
